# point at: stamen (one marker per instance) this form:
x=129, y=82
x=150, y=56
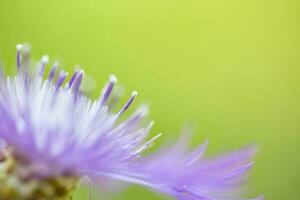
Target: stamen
x=52, y=72
x=44, y=62
x=24, y=60
x=77, y=81
x=19, y=48
x=106, y=93
x=61, y=78
x=149, y=127
x=126, y=106
x=136, y=118
x=73, y=78
x=115, y=97
x=147, y=144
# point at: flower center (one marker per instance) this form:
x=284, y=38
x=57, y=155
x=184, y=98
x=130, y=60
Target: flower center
x=18, y=182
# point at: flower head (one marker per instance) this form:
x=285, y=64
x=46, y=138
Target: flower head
x=54, y=135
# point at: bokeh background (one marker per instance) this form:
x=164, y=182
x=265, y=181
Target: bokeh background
x=229, y=67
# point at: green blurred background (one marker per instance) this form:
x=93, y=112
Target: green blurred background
x=229, y=67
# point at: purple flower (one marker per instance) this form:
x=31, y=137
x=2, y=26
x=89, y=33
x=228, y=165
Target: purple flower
x=52, y=130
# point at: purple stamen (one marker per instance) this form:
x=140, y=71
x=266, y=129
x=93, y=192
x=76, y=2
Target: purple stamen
x=61, y=78
x=126, y=106
x=44, y=61
x=19, y=48
x=77, y=81
x=108, y=89
x=73, y=78
x=52, y=72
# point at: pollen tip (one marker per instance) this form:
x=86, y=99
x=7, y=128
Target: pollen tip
x=81, y=72
x=55, y=65
x=134, y=93
x=150, y=125
x=19, y=46
x=155, y=138
x=113, y=78
x=45, y=58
